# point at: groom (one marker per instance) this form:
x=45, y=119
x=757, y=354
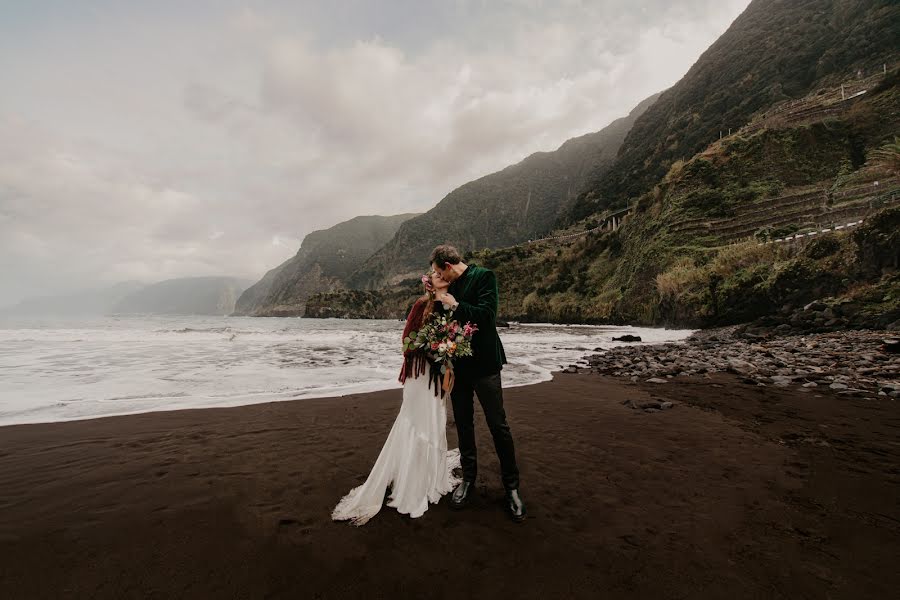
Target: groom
x=473, y=297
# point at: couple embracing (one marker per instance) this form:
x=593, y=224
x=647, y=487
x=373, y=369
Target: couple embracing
x=415, y=464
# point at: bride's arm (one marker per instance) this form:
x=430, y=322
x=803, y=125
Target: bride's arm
x=414, y=318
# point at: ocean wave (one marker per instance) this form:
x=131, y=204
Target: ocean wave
x=58, y=371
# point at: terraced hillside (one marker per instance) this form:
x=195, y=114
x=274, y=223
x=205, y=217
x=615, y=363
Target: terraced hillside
x=834, y=199
x=776, y=51
x=842, y=195
x=797, y=210
x=823, y=104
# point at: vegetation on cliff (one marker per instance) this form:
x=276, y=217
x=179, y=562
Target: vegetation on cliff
x=776, y=50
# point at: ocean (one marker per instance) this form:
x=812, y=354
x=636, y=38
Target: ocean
x=63, y=369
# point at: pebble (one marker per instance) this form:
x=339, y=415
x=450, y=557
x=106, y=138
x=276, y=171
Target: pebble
x=842, y=360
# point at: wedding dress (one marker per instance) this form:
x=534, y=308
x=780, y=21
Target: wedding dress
x=414, y=460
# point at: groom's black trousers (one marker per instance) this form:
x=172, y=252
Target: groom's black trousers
x=490, y=395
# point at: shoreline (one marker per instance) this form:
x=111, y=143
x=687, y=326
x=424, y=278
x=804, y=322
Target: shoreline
x=615, y=362
x=270, y=367
x=736, y=491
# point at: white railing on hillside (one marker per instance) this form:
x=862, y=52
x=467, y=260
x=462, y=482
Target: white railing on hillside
x=799, y=236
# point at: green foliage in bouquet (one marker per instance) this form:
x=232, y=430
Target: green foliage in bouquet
x=443, y=338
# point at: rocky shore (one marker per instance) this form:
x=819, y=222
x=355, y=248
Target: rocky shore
x=851, y=363
x=880, y=311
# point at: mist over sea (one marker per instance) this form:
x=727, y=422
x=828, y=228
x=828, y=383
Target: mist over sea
x=62, y=369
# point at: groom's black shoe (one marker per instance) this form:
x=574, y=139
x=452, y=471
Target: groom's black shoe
x=515, y=506
x=461, y=494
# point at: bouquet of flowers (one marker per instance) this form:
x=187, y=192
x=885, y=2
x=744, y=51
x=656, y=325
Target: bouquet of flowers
x=443, y=339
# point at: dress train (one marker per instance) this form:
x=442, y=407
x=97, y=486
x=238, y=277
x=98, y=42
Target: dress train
x=414, y=461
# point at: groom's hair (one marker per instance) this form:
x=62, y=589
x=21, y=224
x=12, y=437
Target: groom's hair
x=445, y=253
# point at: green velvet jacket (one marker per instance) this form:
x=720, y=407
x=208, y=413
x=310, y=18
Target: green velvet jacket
x=478, y=297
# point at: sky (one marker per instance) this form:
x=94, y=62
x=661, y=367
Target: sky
x=152, y=140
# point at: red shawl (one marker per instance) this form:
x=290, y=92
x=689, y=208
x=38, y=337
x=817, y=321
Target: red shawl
x=415, y=362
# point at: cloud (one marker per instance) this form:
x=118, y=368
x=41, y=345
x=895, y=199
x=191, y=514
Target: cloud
x=69, y=222
x=156, y=142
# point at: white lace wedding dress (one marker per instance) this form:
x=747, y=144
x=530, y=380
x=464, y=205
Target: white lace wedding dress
x=414, y=460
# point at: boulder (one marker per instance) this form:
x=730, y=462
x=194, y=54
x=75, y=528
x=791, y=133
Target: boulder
x=627, y=338
x=645, y=404
x=891, y=346
x=848, y=308
x=741, y=367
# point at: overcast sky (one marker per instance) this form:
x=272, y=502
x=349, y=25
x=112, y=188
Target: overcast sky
x=150, y=140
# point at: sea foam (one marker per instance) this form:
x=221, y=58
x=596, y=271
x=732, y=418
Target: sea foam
x=69, y=369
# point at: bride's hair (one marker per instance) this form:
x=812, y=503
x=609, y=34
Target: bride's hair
x=428, y=296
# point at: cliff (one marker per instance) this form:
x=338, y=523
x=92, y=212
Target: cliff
x=323, y=263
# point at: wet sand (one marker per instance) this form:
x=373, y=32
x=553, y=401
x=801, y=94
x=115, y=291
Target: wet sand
x=738, y=491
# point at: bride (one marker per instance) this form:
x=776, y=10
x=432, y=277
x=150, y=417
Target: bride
x=414, y=461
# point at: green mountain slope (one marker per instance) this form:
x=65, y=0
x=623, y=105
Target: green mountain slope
x=691, y=252
x=775, y=50
x=520, y=202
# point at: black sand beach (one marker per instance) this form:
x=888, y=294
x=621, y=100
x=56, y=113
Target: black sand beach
x=738, y=491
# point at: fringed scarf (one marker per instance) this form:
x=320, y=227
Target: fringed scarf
x=416, y=362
